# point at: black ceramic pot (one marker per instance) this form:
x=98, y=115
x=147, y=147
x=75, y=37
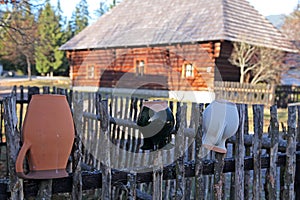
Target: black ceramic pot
x=156, y=122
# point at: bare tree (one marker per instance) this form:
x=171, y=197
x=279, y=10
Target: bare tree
x=242, y=57
x=291, y=26
x=257, y=64
x=269, y=66
x=18, y=33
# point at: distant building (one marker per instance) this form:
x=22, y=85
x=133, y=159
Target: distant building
x=172, y=48
x=292, y=76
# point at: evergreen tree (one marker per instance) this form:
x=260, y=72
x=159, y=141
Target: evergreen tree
x=104, y=7
x=48, y=57
x=80, y=18
x=63, y=70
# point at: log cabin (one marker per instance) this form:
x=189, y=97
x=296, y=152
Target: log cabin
x=169, y=48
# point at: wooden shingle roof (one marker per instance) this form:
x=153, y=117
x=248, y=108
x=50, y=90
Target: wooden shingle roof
x=139, y=23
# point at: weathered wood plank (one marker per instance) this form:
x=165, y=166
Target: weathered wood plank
x=179, y=152
x=239, y=155
x=218, y=176
x=271, y=177
x=297, y=177
x=158, y=177
x=13, y=146
x=248, y=180
x=290, y=168
x=77, y=147
x=199, y=183
x=106, y=154
x=258, y=111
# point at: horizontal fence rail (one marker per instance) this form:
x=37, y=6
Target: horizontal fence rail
x=92, y=180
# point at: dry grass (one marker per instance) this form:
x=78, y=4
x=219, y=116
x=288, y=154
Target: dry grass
x=63, y=82
x=282, y=116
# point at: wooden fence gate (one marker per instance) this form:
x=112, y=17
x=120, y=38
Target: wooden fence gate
x=107, y=162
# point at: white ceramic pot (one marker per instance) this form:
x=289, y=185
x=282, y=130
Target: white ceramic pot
x=220, y=121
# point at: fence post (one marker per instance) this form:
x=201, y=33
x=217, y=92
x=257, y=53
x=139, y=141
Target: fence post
x=199, y=190
x=239, y=155
x=105, y=154
x=297, y=177
x=218, y=175
x=271, y=176
x=158, y=176
x=290, y=168
x=258, y=111
x=77, y=147
x=248, y=181
x=179, y=152
x=13, y=146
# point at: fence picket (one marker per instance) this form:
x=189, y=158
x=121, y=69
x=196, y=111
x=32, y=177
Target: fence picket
x=239, y=155
x=258, y=111
x=199, y=182
x=271, y=177
x=13, y=146
x=297, y=179
x=185, y=179
x=248, y=181
x=179, y=148
x=106, y=163
x=289, y=175
x=158, y=177
x=77, y=147
x=218, y=176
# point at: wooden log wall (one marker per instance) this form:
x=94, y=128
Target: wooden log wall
x=163, y=67
x=226, y=71
x=191, y=171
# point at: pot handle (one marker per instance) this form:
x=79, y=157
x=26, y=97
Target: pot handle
x=20, y=160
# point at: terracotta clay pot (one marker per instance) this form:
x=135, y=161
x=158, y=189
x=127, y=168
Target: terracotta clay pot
x=156, y=122
x=220, y=121
x=48, y=136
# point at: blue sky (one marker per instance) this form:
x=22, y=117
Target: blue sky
x=265, y=7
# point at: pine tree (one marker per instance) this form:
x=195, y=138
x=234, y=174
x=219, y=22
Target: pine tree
x=105, y=6
x=48, y=57
x=80, y=18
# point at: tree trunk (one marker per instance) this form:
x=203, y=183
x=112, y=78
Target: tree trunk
x=28, y=67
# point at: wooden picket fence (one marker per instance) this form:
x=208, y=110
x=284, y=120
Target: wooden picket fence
x=256, y=166
x=286, y=94
x=245, y=93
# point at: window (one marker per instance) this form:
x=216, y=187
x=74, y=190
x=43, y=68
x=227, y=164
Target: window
x=139, y=67
x=188, y=70
x=91, y=71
